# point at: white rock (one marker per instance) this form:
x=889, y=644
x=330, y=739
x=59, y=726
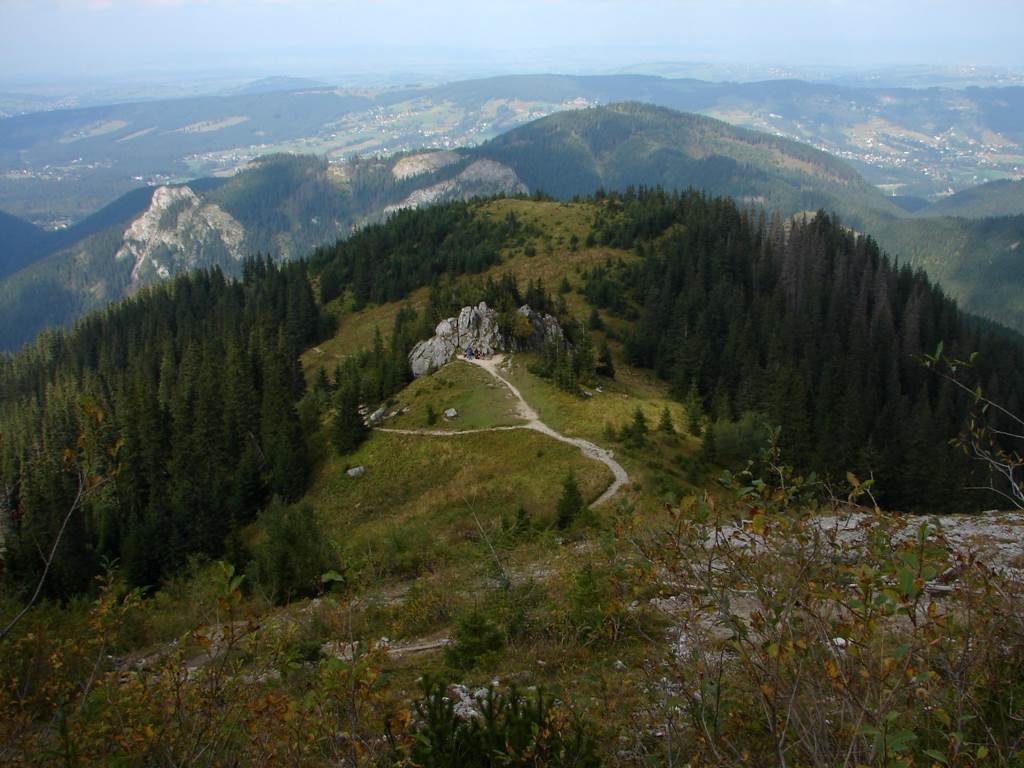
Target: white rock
x=483, y=177
x=476, y=329
x=197, y=228
x=356, y=471
x=451, y=413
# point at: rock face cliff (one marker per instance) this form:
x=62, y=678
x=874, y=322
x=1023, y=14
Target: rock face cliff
x=478, y=328
x=177, y=233
x=479, y=179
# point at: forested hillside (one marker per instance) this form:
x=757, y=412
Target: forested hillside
x=996, y=198
x=158, y=427
x=978, y=261
x=810, y=325
x=286, y=205
x=181, y=402
x=183, y=399
x=283, y=206
x=20, y=241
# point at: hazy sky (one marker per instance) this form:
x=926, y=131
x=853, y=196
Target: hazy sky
x=102, y=38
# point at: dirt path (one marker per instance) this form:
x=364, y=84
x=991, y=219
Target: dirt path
x=525, y=412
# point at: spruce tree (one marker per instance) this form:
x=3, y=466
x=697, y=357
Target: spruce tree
x=639, y=422
x=348, y=430
x=693, y=410
x=570, y=504
x=709, y=451
x=665, y=424
x=605, y=367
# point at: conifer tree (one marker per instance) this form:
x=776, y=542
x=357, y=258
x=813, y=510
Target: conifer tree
x=571, y=502
x=693, y=410
x=606, y=367
x=709, y=450
x=639, y=422
x=665, y=424
x=348, y=430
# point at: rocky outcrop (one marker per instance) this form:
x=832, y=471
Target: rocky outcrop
x=423, y=162
x=177, y=233
x=477, y=328
x=543, y=329
x=481, y=178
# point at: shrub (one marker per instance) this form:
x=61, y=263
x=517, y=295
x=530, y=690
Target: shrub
x=475, y=637
x=511, y=730
x=290, y=561
x=856, y=639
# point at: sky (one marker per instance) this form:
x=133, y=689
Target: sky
x=42, y=39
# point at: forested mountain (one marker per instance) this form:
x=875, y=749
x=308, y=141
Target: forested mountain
x=197, y=479
x=284, y=207
x=978, y=261
x=66, y=163
x=573, y=153
x=996, y=198
x=177, y=409
x=20, y=241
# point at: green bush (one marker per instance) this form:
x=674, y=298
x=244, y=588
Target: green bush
x=511, y=730
x=737, y=442
x=475, y=636
x=289, y=563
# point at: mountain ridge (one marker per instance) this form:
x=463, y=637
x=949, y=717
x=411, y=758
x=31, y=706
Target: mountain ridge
x=288, y=205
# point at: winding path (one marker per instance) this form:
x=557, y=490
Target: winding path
x=525, y=412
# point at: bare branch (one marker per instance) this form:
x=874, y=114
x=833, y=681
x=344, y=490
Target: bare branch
x=48, y=560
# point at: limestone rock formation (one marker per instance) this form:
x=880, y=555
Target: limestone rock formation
x=477, y=328
x=481, y=178
x=179, y=232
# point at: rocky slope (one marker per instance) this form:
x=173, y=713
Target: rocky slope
x=482, y=178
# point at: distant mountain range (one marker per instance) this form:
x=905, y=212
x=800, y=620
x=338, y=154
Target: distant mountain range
x=59, y=165
x=287, y=205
